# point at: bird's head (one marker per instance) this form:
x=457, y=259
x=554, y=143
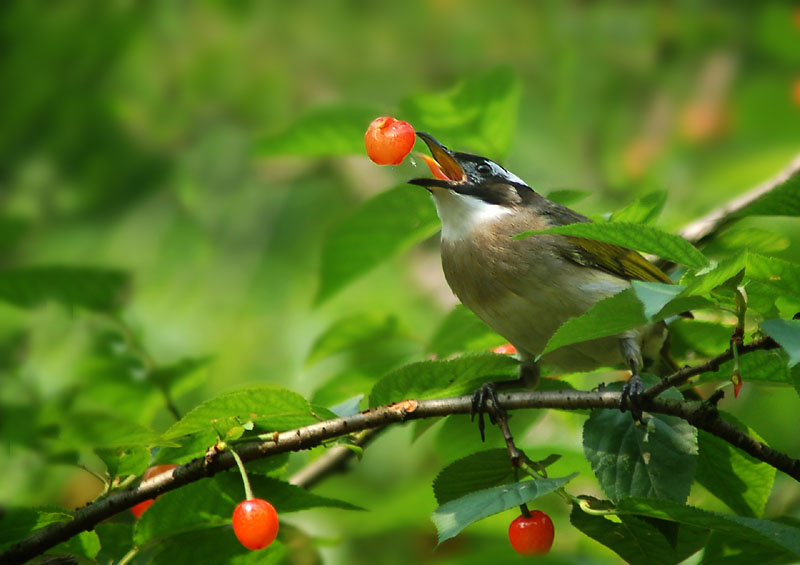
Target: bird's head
x=470, y=190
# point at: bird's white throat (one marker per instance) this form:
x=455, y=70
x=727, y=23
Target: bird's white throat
x=461, y=214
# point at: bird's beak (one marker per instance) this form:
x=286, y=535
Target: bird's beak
x=446, y=170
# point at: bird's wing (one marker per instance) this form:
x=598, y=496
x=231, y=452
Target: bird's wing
x=613, y=259
x=608, y=257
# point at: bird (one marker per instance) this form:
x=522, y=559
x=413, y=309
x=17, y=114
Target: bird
x=525, y=289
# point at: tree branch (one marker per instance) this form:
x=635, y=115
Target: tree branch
x=307, y=437
x=702, y=229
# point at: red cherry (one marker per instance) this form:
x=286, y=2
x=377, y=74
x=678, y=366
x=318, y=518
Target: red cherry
x=532, y=535
x=255, y=523
x=505, y=349
x=139, y=509
x=388, y=140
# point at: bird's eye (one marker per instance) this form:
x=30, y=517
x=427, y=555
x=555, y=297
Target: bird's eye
x=483, y=169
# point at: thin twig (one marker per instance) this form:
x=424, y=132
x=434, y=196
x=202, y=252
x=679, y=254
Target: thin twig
x=712, y=365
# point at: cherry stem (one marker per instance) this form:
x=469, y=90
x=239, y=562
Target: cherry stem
x=524, y=509
x=248, y=490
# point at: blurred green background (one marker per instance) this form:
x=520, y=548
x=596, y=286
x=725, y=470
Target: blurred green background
x=128, y=135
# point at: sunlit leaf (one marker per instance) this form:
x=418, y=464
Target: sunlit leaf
x=777, y=273
x=437, y=379
x=273, y=408
x=607, y=317
x=385, y=225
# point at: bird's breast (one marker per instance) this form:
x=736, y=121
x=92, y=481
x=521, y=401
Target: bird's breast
x=524, y=290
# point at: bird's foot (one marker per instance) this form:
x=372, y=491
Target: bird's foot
x=487, y=392
x=631, y=398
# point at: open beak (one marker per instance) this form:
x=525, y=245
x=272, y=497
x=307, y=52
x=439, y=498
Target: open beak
x=444, y=166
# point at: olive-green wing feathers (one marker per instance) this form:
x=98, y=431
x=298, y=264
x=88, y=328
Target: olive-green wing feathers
x=619, y=261
x=614, y=259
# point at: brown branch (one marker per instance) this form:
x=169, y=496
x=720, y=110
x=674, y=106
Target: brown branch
x=700, y=230
x=307, y=437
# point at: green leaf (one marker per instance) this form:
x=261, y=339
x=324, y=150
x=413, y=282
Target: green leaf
x=438, y=379
x=100, y=430
x=783, y=200
x=655, y=459
x=766, y=533
x=644, y=210
x=700, y=336
x=356, y=331
x=191, y=447
x=116, y=540
x=777, y=273
x=639, y=540
x=480, y=114
x=567, y=196
x=84, y=544
x=124, y=461
x=331, y=131
x=735, y=477
x=654, y=295
x=283, y=496
x=388, y=223
x=484, y=469
x=723, y=549
x=17, y=523
x=452, y=517
x=634, y=236
x=787, y=334
x=219, y=545
x=703, y=282
x=738, y=238
x=92, y=288
x=273, y=408
x=462, y=331
x=610, y=316
x=763, y=366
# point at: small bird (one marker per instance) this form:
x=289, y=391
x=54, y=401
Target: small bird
x=526, y=289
